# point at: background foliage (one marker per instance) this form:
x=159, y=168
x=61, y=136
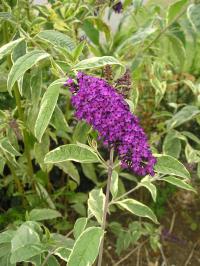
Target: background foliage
x=53, y=170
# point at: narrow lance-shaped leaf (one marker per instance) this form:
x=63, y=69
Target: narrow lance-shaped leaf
x=79, y=226
x=19, y=50
x=192, y=155
x=193, y=16
x=22, y=64
x=86, y=247
x=57, y=38
x=80, y=133
x=198, y=170
x=7, y=48
x=62, y=253
x=7, y=147
x=5, y=260
x=71, y=152
x=137, y=208
x=4, y=252
x=114, y=184
x=25, y=244
x=52, y=261
x=91, y=32
x=177, y=52
x=70, y=169
x=43, y=214
x=178, y=183
x=138, y=37
x=89, y=172
x=174, y=9
x=145, y=182
x=58, y=120
x=43, y=194
x=185, y=114
x=172, y=144
x=7, y=16
x=47, y=107
x=170, y=166
x=6, y=237
x=36, y=87
x=96, y=204
x=160, y=88
x=2, y=164
x=96, y=62
x=191, y=136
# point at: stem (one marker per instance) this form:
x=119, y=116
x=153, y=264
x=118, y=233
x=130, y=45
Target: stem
x=47, y=258
x=135, y=188
x=127, y=193
x=130, y=253
x=77, y=4
x=28, y=9
x=16, y=179
x=25, y=134
x=19, y=107
x=110, y=170
x=164, y=30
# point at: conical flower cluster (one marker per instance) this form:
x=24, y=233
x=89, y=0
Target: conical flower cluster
x=101, y=106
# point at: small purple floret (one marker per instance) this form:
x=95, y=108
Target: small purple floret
x=101, y=106
x=118, y=7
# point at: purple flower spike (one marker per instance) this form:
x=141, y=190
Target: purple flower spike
x=101, y=106
x=118, y=7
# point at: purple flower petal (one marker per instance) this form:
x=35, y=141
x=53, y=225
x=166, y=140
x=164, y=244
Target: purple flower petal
x=100, y=105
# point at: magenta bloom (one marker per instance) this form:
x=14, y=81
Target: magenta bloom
x=118, y=7
x=101, y=106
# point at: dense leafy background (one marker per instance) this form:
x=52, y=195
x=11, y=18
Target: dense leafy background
x=52, y=169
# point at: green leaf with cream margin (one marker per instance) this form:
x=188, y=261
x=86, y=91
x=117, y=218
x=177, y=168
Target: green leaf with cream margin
x=86, y=247
x=174, y=10
x=193, y=16
x=26, y=243
x=114, y=184
x=22, y=64
x=96, y=203
x=137, y=208
x=146, y=182
x=7, y=147
x=43, y=214
x=139, y=36
x=71, y=152
x=184, y=115
x=8, y=47
x=96, y=62
x=47, y=106
x=178, y=183
x=79, y=226
x=70, y=169
x=57, y=39
x=170, y=166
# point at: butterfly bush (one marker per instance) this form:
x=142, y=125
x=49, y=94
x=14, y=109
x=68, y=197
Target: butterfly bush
x=99, y=104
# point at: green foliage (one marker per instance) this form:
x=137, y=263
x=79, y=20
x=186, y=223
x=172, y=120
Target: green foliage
x=43, y=214
x=72, y=152
x=96, y=203
x=169, y=165
x=47, y=106
x=53, y=168
x=22, y=64
x=86, y=247
x=96, y=62
x=137, y=208
x=8, y=47
x=177, y=182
